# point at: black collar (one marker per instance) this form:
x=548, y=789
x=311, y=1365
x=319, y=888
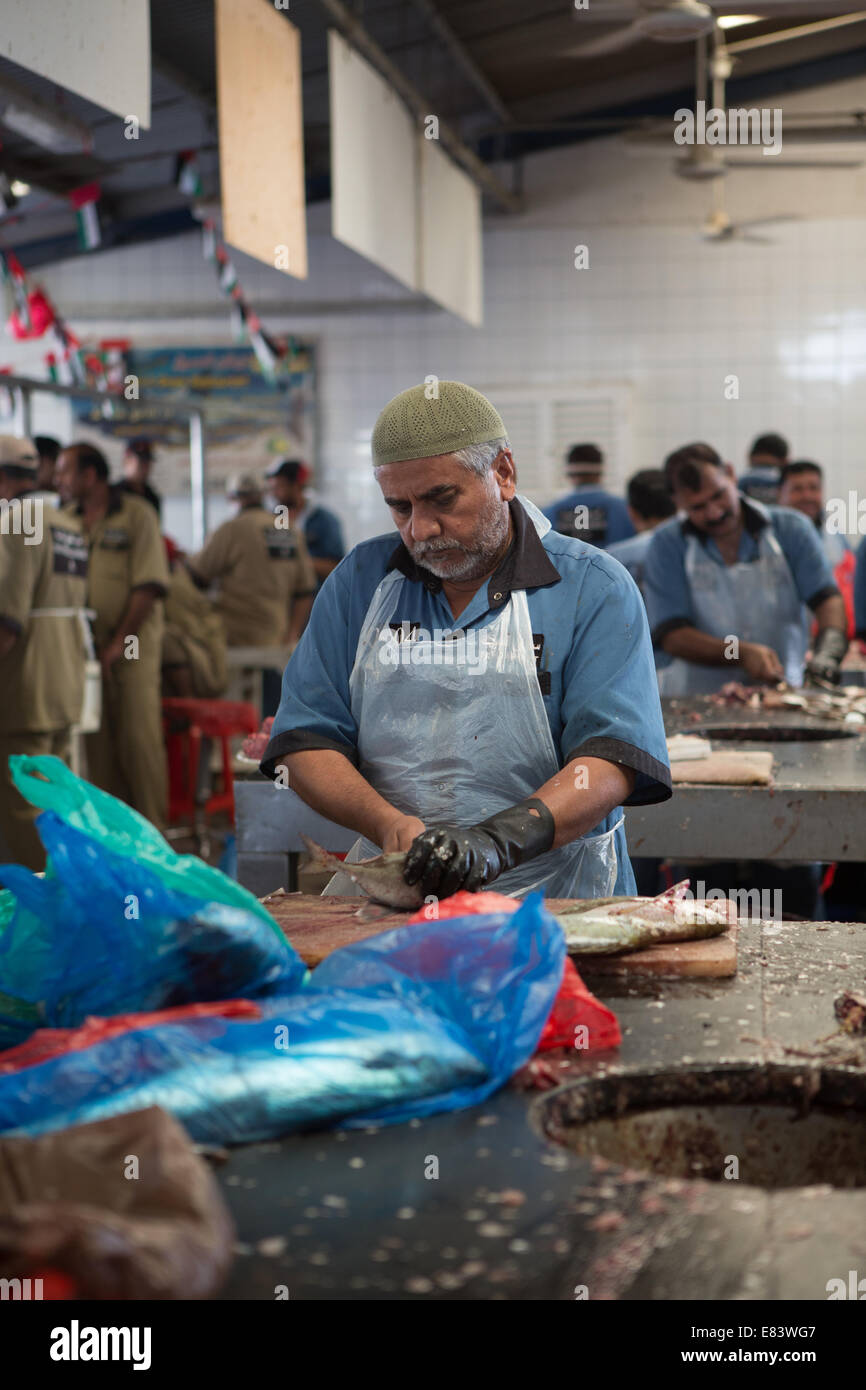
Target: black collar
x=755, y=518
x=525, y=564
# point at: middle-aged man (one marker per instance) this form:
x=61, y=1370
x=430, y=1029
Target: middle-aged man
x=802, y=487
x=478, y=690
x=590, y=512
x=726, y=584
x=43, y=582
x=137, y=468
x=266, y=582
x=287, y=484
x=127, y=581
x=767, y=457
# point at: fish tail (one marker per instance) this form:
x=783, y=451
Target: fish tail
x=321, y=859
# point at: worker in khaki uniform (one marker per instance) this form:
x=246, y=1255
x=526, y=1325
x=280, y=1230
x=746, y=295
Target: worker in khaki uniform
x=194, y=641
x=263, y=570
x=43, y=584
x=127, y=580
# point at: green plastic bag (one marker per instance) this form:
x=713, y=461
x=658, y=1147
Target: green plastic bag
x=48, y=783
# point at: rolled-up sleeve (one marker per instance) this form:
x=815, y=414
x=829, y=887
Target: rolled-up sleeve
x=610, y=701
x=314, y=707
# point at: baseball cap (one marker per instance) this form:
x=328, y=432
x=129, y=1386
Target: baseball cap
x=415, y=425
x=243, y=485
x=18, y=453
x=293, y=470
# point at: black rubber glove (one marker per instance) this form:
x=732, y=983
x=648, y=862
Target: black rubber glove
x=447, y=858
x=831, y=644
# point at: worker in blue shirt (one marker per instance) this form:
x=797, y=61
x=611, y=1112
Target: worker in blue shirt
x=726, y=585
x=767, y=457
x=323, y=534
x=474, y=689
x=590, y=513
x=649, y=504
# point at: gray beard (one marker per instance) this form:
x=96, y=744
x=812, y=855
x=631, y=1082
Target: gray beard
x=448, y=561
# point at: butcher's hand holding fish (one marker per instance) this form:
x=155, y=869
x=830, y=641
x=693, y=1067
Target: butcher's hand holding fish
x=447, y=858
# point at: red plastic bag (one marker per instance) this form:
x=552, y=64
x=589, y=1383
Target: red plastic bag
x=49, y=1042
x=577, y=1018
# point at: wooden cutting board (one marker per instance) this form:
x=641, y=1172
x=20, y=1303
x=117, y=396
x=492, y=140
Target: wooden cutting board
x=316, y=926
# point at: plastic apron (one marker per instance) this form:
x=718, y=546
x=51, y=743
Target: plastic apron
x=452, y=730
x=756, y=601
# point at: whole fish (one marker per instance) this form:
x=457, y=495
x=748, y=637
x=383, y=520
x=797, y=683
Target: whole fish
x=229, y=1082
x=380, y=878
x=613, y=926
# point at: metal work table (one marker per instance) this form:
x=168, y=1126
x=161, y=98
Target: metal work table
x=513, y=1215
x=815, y=809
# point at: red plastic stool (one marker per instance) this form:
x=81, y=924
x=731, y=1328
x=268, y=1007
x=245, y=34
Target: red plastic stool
x=185, y=724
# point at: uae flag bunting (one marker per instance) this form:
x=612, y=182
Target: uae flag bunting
x=244, y=322
x=186, y=173
x=15, y=276
x=84, y=200
x=208, y=241
x=238, y=320
x=228, y=274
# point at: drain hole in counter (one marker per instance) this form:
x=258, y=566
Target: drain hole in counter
x=785, y=1128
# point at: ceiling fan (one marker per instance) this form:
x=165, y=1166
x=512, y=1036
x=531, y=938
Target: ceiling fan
x=719, y=226
x=667, y=21
x=680, y=21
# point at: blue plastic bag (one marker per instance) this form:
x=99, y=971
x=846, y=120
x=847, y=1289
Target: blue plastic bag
x=425, y=1018
x=47, y=782
x=106, y=934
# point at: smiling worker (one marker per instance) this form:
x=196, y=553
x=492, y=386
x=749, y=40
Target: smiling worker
x=729, y=567
x=478, y=691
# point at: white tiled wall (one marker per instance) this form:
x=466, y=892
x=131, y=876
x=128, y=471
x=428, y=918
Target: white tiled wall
x=660, y=312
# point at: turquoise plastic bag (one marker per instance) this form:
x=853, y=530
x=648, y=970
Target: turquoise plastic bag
x=48, y=783
x=106, y=934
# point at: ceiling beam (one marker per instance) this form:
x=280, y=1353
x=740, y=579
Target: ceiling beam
x=463, y=57
x=477, y=170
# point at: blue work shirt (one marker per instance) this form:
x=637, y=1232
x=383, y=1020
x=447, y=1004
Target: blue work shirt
x=590, y=637
x=632, y=553
x=323, y=534
x=860, y=591
x=608, y=519
x=666, y=585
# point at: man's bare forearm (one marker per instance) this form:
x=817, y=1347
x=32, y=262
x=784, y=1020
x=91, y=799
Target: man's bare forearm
x=329, y=783
x=582, y=794
x=690, y=644
x=831, y=613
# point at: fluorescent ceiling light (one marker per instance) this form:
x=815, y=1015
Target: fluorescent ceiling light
x=733, y=21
